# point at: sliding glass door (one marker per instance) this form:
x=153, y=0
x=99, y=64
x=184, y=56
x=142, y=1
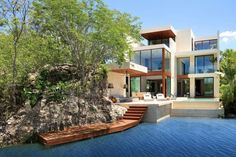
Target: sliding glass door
x=204, y=87
x=135, y=85
x=183, y=87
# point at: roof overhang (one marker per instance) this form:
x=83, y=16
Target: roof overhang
x=160, y=33
x=129, y=68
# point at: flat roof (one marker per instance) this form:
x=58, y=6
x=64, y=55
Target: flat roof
x=160, y=32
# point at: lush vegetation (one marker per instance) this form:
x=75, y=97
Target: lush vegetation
x=228, y=82
x=33, y=34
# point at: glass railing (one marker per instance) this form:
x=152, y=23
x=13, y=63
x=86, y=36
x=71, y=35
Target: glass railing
x=205, y=44
x=159, y=41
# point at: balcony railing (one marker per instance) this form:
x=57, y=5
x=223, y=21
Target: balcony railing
x=206, y=44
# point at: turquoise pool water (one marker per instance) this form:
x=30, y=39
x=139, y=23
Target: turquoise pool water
x=173, y=137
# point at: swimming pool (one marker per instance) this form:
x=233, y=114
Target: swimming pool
x=173, y=137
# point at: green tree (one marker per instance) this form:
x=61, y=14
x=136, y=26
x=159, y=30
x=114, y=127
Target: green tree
x=92, y=32
x=13, y=15
x=228, y=82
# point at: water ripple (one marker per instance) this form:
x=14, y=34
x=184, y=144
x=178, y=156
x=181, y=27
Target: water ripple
x=174, y=137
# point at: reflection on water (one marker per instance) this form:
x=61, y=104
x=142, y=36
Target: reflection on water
x=174, y=137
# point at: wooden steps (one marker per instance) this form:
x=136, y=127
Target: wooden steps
x=131, y=118
x=135, y=112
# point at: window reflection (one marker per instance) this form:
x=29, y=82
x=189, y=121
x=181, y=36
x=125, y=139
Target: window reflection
x=204, y=87
x=167, y=60
x=206, y=44
x=204, y=64
x=183, y=65
x=156, y=59
x=152, y=59
x=136, y=58
x=159, y=41
x=183, y=87
x=146, y=58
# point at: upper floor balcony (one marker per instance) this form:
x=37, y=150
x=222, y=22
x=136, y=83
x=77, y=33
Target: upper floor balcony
x=206, y=44
x=160, y=36
x=196, y=64
x=155, y=58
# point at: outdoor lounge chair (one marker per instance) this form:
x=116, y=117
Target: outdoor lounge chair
x=147, y=97
x=160, y=96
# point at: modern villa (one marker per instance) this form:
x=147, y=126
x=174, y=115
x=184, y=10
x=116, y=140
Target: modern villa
x=176, y=64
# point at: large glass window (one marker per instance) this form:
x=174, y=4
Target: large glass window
x=168, y=86
x=146, y=58
x=156, y=59
x=183, y=87
x=204, y=87
x=208, y=86
x=154, y=86
x=183, y=65
x=159, y=41
x=136, y=58
x=198, y=45
x=213, y=44
x=206, y=44
x=204, y=64
x=152, y=59
x=167, y=61
x=135, y=84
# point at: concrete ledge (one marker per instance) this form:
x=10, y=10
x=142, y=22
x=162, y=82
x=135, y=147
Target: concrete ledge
x=196, y=105
x=214, y=113
x=156, y=113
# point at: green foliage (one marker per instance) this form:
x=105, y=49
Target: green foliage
x=56, y=92
x=91, y=31
x=228, y=82
x=81, y=32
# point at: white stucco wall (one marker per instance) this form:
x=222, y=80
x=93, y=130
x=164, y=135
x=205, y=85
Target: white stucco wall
x=118, y=81
x=184, y=40
x=192, y=87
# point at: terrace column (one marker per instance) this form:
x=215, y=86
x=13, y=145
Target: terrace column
x=192, y=87
x=191, y=68
x=163, y=73
x=216, y=86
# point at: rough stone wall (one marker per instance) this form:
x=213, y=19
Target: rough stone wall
x=53, y=116
x=47, y=116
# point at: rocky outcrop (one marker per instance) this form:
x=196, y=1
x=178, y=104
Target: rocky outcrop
x=48, y=115
x=53, y=117
x=45, y=117
x=117, y=111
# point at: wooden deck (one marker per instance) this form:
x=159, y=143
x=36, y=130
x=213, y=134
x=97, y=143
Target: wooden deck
x=132, y=117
